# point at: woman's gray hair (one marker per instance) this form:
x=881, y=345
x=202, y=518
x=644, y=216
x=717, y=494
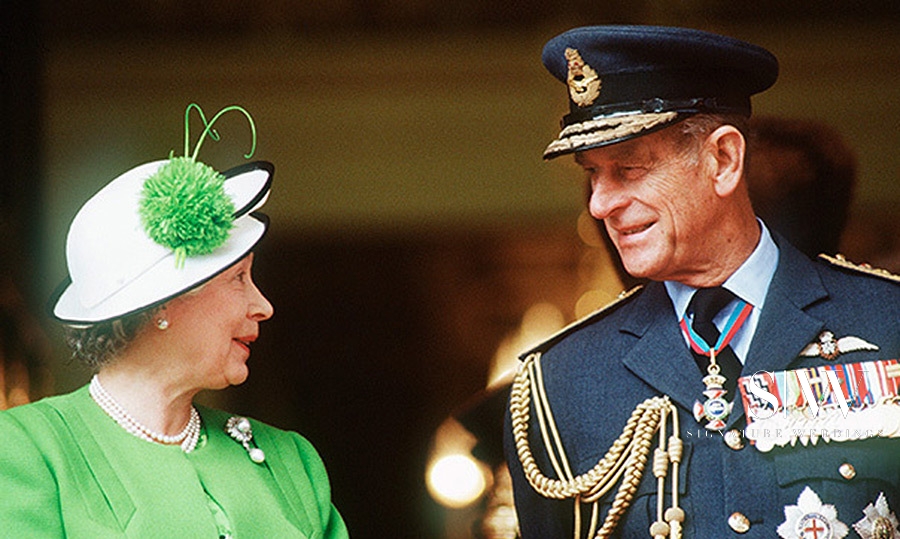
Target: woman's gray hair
x=97, y=345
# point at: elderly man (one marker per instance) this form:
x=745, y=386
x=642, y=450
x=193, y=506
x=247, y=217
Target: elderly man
x=746, y=389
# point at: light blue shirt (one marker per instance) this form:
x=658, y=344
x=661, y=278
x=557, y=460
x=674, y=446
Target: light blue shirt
x=750, y=283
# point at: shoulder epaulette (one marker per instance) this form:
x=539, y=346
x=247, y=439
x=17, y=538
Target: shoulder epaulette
x=599, y=313
x=842, y=262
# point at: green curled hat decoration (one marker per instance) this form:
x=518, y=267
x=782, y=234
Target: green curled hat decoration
x=184, y=206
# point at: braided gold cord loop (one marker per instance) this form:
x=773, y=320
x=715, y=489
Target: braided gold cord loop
x=585, y=484
x=626, y=458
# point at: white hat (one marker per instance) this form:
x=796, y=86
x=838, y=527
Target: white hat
x=115, y=268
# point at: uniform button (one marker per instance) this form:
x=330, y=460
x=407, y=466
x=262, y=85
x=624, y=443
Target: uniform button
x=739, y=523
x=847, y=471
x=734, y=440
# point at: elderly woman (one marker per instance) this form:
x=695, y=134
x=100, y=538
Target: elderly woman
x=161, y=315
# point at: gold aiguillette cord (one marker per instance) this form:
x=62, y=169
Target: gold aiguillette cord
x=625, y=460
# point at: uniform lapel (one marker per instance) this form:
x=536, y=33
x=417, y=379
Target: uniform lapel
x=660, y=357
x=784, y=326
x=662, y=360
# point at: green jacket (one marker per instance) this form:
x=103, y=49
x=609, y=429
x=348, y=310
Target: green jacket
x=68, y=470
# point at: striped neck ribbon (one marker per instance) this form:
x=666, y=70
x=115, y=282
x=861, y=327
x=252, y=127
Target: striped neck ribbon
x=736, y=319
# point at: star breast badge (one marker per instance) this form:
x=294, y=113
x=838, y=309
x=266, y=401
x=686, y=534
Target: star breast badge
x=879, y=522
x=811, y=519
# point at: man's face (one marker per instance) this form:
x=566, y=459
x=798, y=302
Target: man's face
x=657, y=202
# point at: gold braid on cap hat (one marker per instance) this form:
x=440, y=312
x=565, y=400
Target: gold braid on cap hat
x=626, y=459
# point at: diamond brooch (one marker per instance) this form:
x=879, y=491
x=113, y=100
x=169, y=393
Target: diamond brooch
x=239, y=428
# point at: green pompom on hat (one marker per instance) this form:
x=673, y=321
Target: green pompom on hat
x=184, y=207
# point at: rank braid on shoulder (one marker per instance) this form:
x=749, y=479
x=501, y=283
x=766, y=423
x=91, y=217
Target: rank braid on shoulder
x=841, y=261
x=550, y=341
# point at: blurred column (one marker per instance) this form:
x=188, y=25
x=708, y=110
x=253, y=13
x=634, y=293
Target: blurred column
x=20, y=178
x=21, y=341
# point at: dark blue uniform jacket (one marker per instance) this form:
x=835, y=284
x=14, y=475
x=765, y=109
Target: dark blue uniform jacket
x=597, y=371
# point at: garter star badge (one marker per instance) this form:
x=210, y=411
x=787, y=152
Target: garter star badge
x=583, y=80
x=811, y=519
x=879, y=522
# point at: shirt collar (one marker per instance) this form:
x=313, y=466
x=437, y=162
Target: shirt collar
x=750, y=281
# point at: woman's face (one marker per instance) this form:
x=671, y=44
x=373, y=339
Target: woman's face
x=212, y=328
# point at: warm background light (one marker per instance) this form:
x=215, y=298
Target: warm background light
x=538, y=322
x=456, y=481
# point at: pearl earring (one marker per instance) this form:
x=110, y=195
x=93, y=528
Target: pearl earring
x=162, y=324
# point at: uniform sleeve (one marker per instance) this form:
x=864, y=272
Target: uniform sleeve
x=333, y=526
x=29, y=496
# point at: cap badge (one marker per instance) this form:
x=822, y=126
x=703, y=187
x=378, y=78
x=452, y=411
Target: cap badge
x=811, y=519
x=879, y=522
x=830, y=348
x=583, y=81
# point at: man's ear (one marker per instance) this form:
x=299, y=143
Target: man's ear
x=727, y=147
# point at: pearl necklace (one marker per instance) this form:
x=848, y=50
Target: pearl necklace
x=188, y=436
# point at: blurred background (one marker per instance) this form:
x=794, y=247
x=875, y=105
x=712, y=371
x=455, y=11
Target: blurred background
x=418, y=241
